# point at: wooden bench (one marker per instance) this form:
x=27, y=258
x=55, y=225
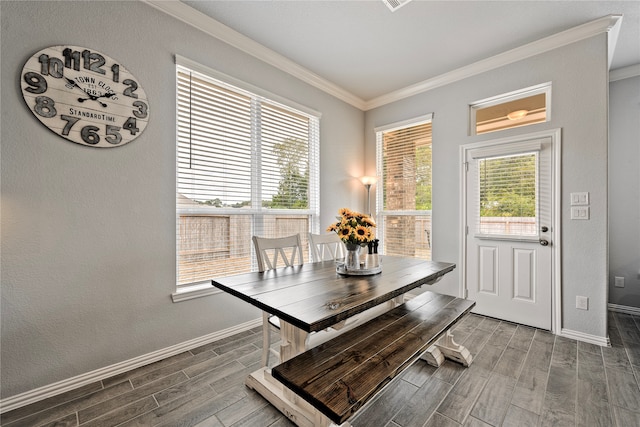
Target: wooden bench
x=338, y=377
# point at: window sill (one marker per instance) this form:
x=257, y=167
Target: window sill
x=514, y=238
x=197, y=290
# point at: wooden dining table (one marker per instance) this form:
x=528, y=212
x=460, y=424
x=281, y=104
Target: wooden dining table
x=315, y=303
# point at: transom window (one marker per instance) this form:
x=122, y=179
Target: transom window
x=247, y=164
x=510, y=110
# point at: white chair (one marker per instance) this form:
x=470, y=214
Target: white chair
x=268, y=252
x=326, y=247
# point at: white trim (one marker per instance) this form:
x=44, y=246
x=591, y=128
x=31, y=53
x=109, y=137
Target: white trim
x=624, y=73
x=588, y=338
x=556, y=144
x=612, y=39
x=187, y=292
x=38, y=394
x=546, y=44
x=492, y=151
x=635, y=311
x=405, y=123
x=556, y=324
x=208, y=25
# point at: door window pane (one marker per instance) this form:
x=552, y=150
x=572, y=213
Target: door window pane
x=507, y=195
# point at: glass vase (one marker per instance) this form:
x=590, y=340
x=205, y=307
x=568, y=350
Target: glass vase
x=352, y=260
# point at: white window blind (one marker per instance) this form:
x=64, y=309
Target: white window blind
x=507, y=197
x=246, y=165
x=404, y=190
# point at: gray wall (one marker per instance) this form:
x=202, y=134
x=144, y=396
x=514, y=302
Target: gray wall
x=88, y=254
x=624, y=191
x=579, y=106
x=88, y=235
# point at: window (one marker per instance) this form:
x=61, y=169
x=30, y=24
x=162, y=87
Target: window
x=404, y=189
x=507, y=205
x=520, y=108
x=247, y=164
x=506, y=199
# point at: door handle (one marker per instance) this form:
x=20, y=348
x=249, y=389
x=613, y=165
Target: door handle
x=544, y=242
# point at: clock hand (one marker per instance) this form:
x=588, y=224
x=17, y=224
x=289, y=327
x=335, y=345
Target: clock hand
x=72, y=83
x=106, y=95
x=93, y=98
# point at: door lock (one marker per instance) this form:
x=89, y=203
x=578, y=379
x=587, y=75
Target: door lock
x=544, y=228
x=544, y=242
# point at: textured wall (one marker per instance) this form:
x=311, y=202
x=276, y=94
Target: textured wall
x=579, y=76
x=88, y=235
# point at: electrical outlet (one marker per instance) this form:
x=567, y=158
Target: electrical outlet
x=582, y=303
x=619, y=282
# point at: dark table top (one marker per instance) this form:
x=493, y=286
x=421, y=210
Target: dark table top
x=313, y=296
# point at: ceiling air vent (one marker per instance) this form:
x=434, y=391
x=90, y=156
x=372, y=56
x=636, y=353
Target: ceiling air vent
x=394, y=5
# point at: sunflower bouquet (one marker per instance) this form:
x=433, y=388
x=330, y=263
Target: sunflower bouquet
x=353, y=228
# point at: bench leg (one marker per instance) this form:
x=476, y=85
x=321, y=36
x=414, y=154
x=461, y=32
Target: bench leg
x=433, y=356
x=296, y=409
x=453, y=350
x=447, y=348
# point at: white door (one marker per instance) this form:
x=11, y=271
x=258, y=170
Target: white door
x=509, y=234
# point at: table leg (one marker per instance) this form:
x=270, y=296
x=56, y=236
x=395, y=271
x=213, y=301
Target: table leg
x=293, y=341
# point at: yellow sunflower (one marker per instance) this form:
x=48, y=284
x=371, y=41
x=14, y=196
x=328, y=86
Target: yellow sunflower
x=362, y=233
x=345, y=232
x=353, y=227
x=367, y=220
x=345, y=212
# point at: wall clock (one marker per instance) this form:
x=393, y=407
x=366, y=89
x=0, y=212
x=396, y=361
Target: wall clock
x=84, y=96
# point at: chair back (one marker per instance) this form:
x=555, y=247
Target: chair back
x=325, y=247
x=270, y=250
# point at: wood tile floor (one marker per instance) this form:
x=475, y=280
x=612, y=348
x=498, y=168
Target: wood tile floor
x=519, y=377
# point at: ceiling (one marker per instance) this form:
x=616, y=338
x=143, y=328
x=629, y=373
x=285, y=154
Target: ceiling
x=368, y=51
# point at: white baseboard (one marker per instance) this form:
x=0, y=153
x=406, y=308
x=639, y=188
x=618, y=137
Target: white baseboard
x=624, y=309
x=588, y=338
x=60, y=387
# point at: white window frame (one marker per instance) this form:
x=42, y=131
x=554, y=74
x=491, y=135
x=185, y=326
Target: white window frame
x=508, y=97
x=199, y=289
x=380, y=212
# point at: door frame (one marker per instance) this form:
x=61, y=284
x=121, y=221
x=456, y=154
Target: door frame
x=556, y=210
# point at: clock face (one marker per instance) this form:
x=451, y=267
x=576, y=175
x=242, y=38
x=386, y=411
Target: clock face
x=84, y=96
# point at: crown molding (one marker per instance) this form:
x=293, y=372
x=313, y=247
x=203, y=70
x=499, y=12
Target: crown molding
x=624, y=73
x=208, y=25
x=608, y=24
x=537, y=47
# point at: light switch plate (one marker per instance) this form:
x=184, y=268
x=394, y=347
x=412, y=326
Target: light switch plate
x=580, y=199
x=582, y=303
x=580, y=212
